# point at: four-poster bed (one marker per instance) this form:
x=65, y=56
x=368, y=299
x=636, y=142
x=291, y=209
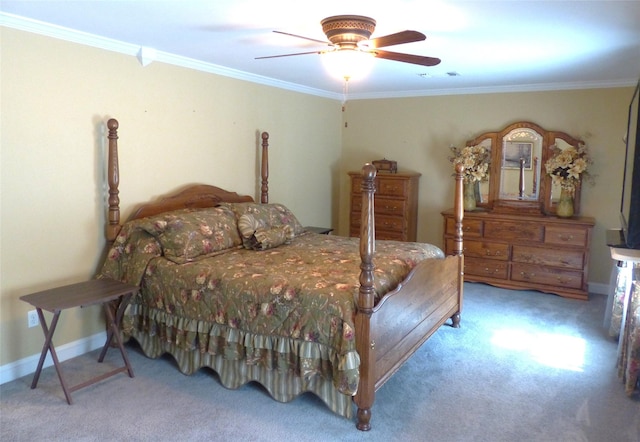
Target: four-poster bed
x=236, y=272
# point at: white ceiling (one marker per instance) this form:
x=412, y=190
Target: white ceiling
x=494, y=46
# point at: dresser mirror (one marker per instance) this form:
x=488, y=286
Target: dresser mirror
x=520, y=165
x=517, y=180
x=482, y=189
x=561, y=141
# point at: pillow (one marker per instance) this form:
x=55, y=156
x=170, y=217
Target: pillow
x=264, y=239
x=265, y=216
x=188, y=234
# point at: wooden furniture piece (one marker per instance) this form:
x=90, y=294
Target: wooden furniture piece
x=387, y=331
x=396, y=205
x=624, y=307
x=525, y=252
x=514, y=238
x=320, y=230
x=528, y=190
x=97, y=291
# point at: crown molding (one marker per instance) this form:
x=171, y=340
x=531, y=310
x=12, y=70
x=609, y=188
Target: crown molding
x=541, y=87
x=109, y=44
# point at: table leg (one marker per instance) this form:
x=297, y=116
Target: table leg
x=48, y=346
x=113, y=331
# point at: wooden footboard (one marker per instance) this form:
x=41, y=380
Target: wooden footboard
x=388, y=333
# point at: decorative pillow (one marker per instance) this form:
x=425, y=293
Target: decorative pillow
x=188, y=234
x=264, y=239
x=265, y=216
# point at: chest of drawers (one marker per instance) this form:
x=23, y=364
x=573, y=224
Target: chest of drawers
x=395, y=205
x=543, y=253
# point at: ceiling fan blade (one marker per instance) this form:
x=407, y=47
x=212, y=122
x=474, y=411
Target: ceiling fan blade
x=396, y=39
x=288, y=55
x=306, y=38
x=406, y=58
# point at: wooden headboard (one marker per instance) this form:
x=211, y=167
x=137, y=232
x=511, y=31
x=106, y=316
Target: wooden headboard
x=193, y=196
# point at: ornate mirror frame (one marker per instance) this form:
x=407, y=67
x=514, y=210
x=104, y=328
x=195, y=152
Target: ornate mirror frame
x=535, y=193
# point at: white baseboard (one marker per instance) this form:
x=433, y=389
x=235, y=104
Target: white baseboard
x=598, y=288
x=26, y=366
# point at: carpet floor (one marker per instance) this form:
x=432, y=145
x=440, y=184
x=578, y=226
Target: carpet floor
x=524, y=366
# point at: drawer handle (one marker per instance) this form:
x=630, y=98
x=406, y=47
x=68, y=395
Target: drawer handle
x=391, y=207
x=488, y=271
x=565, y=237
x=488, y=253
x=466, y=228
x=565, y=281
x=526, y=275
x=526, y=257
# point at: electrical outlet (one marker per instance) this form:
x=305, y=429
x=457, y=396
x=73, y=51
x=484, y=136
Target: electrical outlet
x=32, y=318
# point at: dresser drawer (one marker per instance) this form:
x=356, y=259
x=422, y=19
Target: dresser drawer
x=546, y=275
x=389, y=206
x=485, y=268
x=392, y=187
x=513, y=231
x=383, y=222
x=566, y=236
x=572, y=259
x=384, y=186
x=382, y=205
x=391, y=235
x=381, y=234
x=471, y=228
x=482, y=249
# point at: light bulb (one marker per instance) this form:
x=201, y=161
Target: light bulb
x=348, y=64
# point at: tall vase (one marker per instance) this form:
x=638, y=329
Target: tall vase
x=469, y=197
x=565, y=204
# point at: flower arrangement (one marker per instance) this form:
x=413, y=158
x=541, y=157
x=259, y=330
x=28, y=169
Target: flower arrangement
x=567, y=165
x=475, y=160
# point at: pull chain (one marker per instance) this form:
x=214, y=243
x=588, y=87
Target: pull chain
x=345, y=93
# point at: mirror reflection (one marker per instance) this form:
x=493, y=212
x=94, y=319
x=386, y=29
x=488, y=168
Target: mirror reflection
x=482, y=196
x=556, y=188
x=521, y=165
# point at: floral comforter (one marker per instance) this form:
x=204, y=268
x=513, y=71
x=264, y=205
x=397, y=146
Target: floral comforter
x=296, y=299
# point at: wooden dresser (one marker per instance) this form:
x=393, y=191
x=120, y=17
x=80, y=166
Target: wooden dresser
x=543, y=253
x=396, y=205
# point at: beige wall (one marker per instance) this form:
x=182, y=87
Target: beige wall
x=176, y=126
x=179, y=126
x=417, y=133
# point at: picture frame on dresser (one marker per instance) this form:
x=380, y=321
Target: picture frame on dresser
x=514, y=151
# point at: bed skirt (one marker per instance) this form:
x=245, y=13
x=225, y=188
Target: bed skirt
x=285, y=367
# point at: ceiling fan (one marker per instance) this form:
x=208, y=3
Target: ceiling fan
x=353, y=32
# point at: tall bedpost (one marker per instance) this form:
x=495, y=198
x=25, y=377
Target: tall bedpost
x=113, y=177
x=458, y=210
x=366, y=346
x=264, y=190
x=458, y=245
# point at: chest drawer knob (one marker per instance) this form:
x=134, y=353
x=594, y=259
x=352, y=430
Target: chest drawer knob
x=526, y=275
x=565, y=280
x=562, y=237
x=490, y=253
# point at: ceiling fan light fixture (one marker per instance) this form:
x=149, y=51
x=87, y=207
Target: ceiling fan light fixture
x=348, y=64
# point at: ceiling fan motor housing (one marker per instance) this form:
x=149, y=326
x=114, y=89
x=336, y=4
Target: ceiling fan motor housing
x=345, y=31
